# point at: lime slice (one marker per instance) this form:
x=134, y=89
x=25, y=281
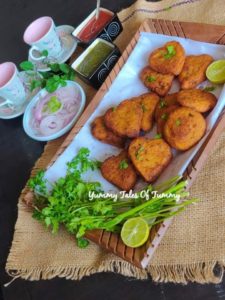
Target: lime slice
x=135, y=232
x=216, y=72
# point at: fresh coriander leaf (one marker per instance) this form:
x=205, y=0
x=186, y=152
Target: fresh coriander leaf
x=38, y=183
x=56, y=77
x=209, y=88
x=164, y=116
x=139, y=151
x=51, y=87
x=123, y=164
x=71, y=75
x=46, y=75
x=44, y=53
x=171, y=52
x=54, y=67
x=151, y=78
x=144, y=108
x=82, y=243
x=158, y=136
x=63, y=83
x=27, y=66
x=64, y=68
x=35, y=84
x=162, y=103
x=178, y=122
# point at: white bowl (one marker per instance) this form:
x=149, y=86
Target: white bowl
x=28, y=114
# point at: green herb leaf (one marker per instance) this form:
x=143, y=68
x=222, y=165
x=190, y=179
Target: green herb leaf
x=138, y=152
x=151, y=78
x=64, y=68
x=44, y=53
x=158, y=136
x=178, y=122
x=162, y=103
x=82, y=243
x=144, y=108
x=171, y=52
x=164, y=116
x=54, y=67
x=123, y=164
x=209, y=88
x=27, y=66
x=35, y=84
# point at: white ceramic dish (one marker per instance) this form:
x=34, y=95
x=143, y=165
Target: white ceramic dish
x=69, y=45
x=29, y=114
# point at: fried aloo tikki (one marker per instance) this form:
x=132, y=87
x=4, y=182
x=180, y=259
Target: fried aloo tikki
x=156, y=82
x=184, y=128
x=168, y=59
x=119, y=171
x=199, y=100
x=103, y=134
x=149, y=157
x=193, y=72
x=125, y=119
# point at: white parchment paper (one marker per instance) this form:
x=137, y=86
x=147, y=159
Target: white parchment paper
x=126, y=85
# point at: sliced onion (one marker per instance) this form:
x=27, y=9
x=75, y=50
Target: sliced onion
x=50, y=125
x=39, y=108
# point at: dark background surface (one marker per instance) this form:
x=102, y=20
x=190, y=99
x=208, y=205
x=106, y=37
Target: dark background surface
x=17, y=156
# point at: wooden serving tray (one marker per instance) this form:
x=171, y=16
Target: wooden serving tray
x=141, y=256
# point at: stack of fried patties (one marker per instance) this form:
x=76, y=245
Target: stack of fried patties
x=180, y=117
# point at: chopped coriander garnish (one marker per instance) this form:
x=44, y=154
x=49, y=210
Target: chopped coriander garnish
x=151, y=78
x=158, y=136
x=140, y=149
x=144, y=108
x=123, y=164
x=178, y=122
x=164, y=116
x=171, y=52
x=114, y=109
x=162, y=103
x=209, y=88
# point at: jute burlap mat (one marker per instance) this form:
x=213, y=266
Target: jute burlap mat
x=193, y=245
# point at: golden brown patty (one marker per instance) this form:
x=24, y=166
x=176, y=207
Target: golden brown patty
x=199, y=100
x=119, y=171
x=103, y=134
x=168, y=59
x=184, y=128
x=194, y=70
x=165, y=102
x=163, y=116
x=149, y=157
x=125, y=119
x=148, y=104
x=156, y=82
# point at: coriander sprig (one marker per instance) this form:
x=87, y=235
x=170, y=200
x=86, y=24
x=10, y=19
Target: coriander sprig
x=50, y=80
x=68, y=202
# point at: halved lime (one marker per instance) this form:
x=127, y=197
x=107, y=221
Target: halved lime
x=216, y=71
x=135, y=232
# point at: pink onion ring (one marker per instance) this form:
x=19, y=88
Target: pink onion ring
x=50, y=125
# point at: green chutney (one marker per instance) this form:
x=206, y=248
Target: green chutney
x=94, y=58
